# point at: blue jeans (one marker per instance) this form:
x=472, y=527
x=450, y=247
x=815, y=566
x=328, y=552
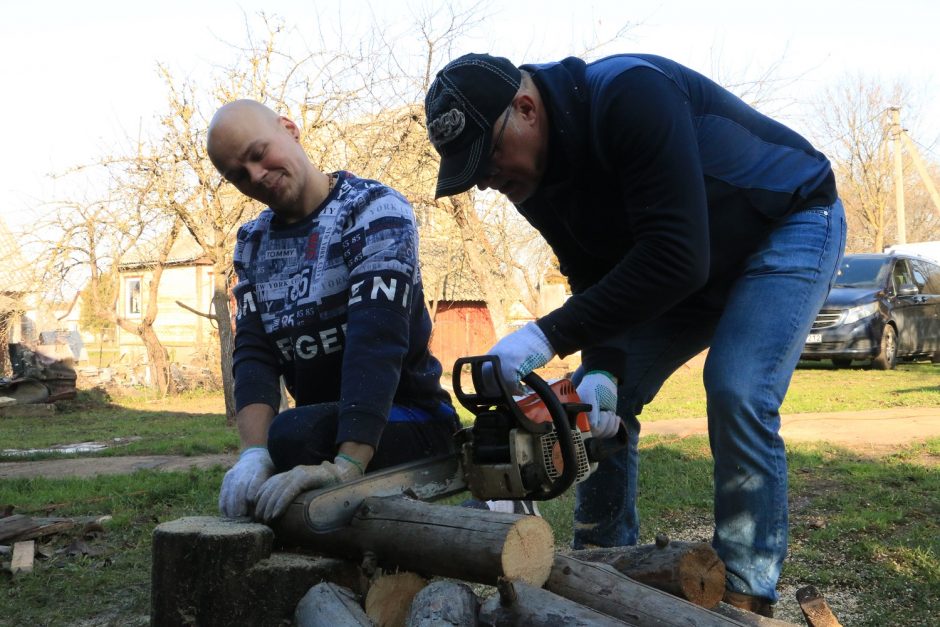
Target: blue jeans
x=755, y=335
x=307, y=435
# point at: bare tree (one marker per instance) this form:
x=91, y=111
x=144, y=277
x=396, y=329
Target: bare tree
x=851, y=119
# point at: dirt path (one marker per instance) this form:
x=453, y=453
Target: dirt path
x=872, y=432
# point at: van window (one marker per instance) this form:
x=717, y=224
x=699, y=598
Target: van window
x=860, y=272
x=901, y=274
x=920, y=276
x=931, y=276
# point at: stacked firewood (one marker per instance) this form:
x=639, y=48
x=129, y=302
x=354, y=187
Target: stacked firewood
x=405, y=562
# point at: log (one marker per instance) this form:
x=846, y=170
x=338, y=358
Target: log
x=443, y=603
x=445, y=541
x=815, y=608
x=390, y=596
x=23, y=554
x=689, y=570
x=212, y=571
x=327, y=604
x=606, y=590
x=15, y=525
x=520, y=604
x=745, y=617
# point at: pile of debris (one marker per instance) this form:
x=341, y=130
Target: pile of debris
x=23, y=539
x=37, y=378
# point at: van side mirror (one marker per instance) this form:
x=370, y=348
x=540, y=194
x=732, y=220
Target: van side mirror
x=908, y=289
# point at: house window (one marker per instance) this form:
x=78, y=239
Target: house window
x=132, y=292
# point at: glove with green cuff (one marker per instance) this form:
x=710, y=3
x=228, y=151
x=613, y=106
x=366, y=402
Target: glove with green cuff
x=599, y=388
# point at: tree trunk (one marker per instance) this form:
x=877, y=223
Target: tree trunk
x=520, y=604
x=446, y=541
x=601, y=587
x=444, y=602
x=474, y=240
x=223, y=317
x=689, y=570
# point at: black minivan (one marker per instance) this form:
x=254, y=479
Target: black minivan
x=883, y=307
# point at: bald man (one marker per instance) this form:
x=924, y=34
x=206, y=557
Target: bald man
x=328, y=296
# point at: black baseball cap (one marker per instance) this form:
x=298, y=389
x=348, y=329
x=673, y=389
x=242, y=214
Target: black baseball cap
x=466, y=98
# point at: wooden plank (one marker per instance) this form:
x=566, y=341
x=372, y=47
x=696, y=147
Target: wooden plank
x=23, y=553
x=815, y=609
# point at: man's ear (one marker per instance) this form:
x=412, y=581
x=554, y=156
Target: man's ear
x=290, y=126
x=526, y=107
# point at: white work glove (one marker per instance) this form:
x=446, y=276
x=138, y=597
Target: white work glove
x=243, y=480
x=599, y=388
x=519, y=353
x=280, y=490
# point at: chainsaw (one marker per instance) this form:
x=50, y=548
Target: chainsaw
x=531, y=448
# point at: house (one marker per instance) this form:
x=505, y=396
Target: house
x=187, y=280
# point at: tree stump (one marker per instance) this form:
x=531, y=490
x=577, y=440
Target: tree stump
x=211, y=571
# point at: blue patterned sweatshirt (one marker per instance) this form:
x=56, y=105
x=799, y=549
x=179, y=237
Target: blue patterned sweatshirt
x=334, y=303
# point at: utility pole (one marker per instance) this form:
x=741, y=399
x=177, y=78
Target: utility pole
x=922, y=170
x=896, y=131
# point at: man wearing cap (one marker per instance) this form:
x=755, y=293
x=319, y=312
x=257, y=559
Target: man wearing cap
x=683, y=220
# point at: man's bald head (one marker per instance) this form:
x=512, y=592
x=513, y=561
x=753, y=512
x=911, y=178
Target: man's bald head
x=245, y=114
x=259, y=152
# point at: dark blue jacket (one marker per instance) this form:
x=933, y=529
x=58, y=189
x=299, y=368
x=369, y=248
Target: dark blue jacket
x=659, y=184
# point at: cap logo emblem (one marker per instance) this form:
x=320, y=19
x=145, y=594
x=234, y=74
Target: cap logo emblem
x=446, y=127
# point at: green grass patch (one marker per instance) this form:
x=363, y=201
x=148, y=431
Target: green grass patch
x=815, y=387
x=100, y=576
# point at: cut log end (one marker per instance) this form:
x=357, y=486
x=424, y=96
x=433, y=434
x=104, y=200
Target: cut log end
x=528, y=551
x=701, y=576
x=390, y=597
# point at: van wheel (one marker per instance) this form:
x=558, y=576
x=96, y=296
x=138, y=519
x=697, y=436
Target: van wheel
x=888, y=358
x=842, y=363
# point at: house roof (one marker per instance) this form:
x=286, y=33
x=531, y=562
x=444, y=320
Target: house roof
x=185, y=250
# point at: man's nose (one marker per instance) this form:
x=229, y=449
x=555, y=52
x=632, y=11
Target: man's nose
x=484, y=182
x=256, y=172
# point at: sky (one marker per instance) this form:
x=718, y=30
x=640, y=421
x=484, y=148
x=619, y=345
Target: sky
x=79, y=78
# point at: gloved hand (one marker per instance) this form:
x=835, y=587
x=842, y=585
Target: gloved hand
x=280, y=490
x=599, y=388
x=519, y=353
x=243, y=480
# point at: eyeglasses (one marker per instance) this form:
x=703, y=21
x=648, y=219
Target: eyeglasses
x=499, y=137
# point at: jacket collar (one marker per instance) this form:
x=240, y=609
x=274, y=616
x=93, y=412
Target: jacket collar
x=563, y=88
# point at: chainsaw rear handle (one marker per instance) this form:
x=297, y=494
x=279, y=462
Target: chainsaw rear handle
x=599, y=449
x=484, y=399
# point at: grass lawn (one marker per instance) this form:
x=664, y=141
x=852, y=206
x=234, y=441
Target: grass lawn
x=865, y=531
